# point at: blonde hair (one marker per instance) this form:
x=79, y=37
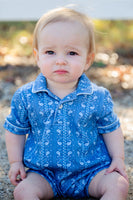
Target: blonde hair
x=65, y=14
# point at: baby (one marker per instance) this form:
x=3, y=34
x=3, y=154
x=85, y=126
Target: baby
x=74, y=145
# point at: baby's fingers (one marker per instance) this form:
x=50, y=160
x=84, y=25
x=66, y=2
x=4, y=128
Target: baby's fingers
x=110, y=169
x=17, y=173
x=22, y=173
x=123, y=173
x=113, y=168
x=13, y=177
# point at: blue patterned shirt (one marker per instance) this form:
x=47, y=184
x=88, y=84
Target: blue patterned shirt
x=63, y=134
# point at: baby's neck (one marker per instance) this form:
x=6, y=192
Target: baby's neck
x=61, y=90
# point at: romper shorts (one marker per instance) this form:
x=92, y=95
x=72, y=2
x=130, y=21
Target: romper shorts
x=69, y=184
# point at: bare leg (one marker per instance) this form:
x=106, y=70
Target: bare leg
x=33, y=187
x=108, y=187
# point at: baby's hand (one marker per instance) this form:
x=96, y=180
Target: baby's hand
x=117, y=165
x=16, y=169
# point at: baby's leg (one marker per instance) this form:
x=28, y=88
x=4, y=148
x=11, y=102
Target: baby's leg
x=33, y=187
x=108, y=187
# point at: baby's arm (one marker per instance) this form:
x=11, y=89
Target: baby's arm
x=15, y=146
x=115, y=145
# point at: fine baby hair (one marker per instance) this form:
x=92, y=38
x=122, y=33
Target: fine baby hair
x=65, y=14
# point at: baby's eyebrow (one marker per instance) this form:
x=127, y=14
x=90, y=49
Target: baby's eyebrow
x=72, y=48
x=48, y=47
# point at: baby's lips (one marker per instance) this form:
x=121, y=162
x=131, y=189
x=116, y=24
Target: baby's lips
x=60, y=71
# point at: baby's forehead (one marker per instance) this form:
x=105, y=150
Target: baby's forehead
x=63, y=31
x=61, y=27
x=67, y=28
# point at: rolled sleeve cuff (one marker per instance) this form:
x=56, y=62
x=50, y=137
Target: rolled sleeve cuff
x=109, y=128
x=16, y=130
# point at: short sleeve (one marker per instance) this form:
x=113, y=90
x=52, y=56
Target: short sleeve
x=17, y=121
x=107, y=120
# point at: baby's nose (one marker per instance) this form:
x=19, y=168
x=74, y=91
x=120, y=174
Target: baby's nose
x=61, y=60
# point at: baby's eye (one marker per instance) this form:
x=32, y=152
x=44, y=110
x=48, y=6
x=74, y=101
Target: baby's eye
x=73, y=53
x=49, y=52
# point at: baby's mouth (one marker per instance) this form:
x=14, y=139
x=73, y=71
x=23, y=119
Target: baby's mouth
x=61, y=71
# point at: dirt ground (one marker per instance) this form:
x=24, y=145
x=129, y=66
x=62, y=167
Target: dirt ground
x=13, y=77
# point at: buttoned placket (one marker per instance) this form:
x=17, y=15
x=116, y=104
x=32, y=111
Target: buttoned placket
x=60, y=106
x=60, y=119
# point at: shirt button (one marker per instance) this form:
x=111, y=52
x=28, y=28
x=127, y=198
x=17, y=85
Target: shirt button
x=61, y=106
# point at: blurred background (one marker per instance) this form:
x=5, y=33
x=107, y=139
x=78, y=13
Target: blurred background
x=113, y=21
x=112, y=68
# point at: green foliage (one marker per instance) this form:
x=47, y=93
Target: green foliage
x=114, y=34
x=16, y=37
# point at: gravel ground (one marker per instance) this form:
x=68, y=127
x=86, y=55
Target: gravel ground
x=123, y=107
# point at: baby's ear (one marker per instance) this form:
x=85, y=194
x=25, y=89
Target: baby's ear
x=89, y=61
x=35, y=52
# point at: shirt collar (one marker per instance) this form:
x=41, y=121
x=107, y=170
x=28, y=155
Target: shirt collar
x=84, y=85
x=40, y=84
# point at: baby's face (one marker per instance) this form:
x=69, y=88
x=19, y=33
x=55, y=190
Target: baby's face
x=62, y=54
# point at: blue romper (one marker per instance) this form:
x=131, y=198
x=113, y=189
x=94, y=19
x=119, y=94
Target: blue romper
x=65, y=143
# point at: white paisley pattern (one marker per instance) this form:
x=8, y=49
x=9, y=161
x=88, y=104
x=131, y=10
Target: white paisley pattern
x=63, y=134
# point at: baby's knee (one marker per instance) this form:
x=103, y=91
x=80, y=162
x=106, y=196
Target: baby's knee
x=119, y=185
x=123, y=186
x=21, y=192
